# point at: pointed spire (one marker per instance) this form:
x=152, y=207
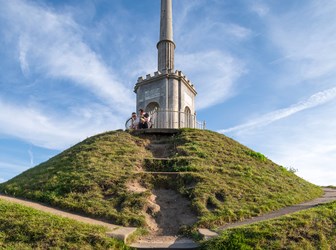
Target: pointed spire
x=166, y=46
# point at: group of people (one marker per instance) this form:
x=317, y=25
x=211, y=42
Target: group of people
x=141, y=122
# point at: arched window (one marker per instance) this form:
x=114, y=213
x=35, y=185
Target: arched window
x=188, y=119
x=152, y=109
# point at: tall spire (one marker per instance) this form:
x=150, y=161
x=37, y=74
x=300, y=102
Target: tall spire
x=166, y=46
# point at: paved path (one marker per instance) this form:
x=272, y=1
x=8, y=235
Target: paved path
x=114, y=231
x=123, y=232
x=329, y=196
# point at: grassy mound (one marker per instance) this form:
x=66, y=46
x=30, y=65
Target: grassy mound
x=311, y=229
x=25, y=228
x=88, y=178
x=224, y=180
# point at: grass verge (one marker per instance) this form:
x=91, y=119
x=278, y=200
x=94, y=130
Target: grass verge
x=311, y=229
x=25, y=228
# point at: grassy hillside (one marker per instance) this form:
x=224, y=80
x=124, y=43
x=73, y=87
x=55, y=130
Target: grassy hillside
x=224, y=180
x=311, y=229
x=25, y=228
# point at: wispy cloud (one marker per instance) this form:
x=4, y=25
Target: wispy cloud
x=260, y=8
x=55, y=131
x=308, y=46
x=57, y=50
x=23, y=57
x=313, y=101
x=216, y=74
x=31, y=156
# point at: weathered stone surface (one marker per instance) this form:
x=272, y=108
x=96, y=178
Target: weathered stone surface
x=207, y=234
x=169, y=92
x=121, y=233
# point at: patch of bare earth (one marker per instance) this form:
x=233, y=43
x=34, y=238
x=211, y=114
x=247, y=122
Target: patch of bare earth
x=172, y=212
x=165, y=212
x=175, y=211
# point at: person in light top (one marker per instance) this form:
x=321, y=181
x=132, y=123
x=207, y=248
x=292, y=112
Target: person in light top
x=134, y=121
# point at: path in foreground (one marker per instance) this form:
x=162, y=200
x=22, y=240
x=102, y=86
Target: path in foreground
x=114, y=231
x=329, y=196
x=122, y=232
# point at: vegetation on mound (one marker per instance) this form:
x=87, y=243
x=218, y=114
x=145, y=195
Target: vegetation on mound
x=311, y=229
x=233, y=182
x=25, y=228
x=224, y=180
x=89, y=178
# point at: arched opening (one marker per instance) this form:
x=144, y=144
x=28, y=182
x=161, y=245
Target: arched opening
x=152, y=109
x=188, y=119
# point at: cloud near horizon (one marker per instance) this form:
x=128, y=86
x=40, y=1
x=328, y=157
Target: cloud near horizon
x=56, y=131
x=317, y=99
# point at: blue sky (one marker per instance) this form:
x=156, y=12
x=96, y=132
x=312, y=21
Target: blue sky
x=264, y=71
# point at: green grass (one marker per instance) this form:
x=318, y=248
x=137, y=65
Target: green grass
x=311, y=229
x=233, y=182
x=224, y=180
x=25, y=228
x=88, y=178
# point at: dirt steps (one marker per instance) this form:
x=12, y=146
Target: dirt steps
x=173, y=210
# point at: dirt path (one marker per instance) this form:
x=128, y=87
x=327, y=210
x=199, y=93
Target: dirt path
x=329, y=196
x=58, y=212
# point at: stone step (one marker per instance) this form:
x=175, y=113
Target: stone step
x=207, y=234
x=181, y=164
x=161, y=173
x=156, y=131
x=121, y=233
x=162, y=243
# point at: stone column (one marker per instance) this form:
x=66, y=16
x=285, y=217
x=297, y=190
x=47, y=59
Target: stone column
x=166, y=45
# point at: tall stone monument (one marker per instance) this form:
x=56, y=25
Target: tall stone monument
x=167, y=95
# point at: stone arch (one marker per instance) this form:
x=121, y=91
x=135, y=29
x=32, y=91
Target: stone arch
x=188, y=118
x=151, y=107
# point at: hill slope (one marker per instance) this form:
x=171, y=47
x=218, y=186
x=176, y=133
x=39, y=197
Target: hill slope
x=115, y=176
x=25, y=228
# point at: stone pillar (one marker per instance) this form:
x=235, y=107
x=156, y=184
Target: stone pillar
x=166, y=45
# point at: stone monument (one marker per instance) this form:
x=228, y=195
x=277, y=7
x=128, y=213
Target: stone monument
x=167, y=95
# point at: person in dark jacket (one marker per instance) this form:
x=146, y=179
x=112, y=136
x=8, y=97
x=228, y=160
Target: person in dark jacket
x=144, y=117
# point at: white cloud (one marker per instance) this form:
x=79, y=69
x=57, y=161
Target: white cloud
x=55, y=131
x=31, y=157
x=216, y=74
x=306, y=37
x=305, y=141
x=56, y=49
x=317, y=99
x=259, y=8
x=23, y=57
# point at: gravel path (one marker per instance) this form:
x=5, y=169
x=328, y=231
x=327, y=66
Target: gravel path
x=329, y=196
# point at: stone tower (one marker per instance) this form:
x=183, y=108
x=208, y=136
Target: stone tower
x=167, y=95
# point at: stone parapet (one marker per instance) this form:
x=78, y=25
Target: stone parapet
x=165, y=73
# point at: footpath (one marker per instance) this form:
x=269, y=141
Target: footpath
x=122, y=233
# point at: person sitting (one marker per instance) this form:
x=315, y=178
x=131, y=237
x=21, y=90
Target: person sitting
x=144, y=117
x=134, y=121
